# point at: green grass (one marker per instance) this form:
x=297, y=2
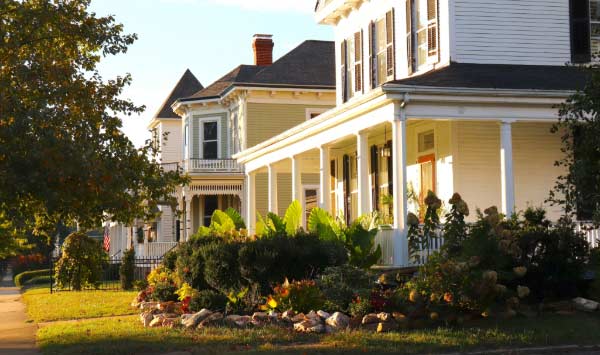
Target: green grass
x=127, y=336
x=44, y=307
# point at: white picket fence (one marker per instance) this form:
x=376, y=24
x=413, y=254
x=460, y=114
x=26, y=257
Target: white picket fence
x=385, y=239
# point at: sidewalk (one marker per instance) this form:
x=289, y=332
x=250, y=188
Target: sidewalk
x=16, y=336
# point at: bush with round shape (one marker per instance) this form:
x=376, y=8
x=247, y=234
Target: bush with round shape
x=22, y=278
x=341, y=284
x=164, y=292
x=39, y=280
x=209, y=299
x=221, y=266
x=81, y=263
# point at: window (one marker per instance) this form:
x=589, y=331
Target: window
x=311, y=201
x=422, y=33
x=314, y=112
x=358, y=53
x=186, y=140
x=382, y=50
x=211, y=204
x=595, y=27
x=210, y=143
x=351, y=66
x=583, y=13
x=426, y=141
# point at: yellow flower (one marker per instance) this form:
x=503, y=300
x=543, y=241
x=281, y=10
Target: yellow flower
x=414, y=296
x=272, y=303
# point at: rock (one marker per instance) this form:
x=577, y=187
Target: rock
x=274, y=315
x=309, y=326
x=338, y=321
x=384, y=327
x=355, y=322
x=231, y=320
x=211, y=319
x=243, y=321
x=171, y=322
x=323, y=314
x=260, y=316
x=384, y=317
x=156, y=322
x=298, y=318
x=288, y=315
x=558, y=306
x=313, y=314
x=185, y=317
x=146, y=306
x=370, y=319
x=585, y=305
x=372, y=327
x=146, y=318
x=196, y=318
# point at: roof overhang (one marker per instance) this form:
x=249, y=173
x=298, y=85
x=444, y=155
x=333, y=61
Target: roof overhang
x=329, y=12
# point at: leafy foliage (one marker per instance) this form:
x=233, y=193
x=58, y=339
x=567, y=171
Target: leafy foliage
x=208, y=299
x=420, y=238
x=293, y=218
x=127, y=269
x=63, y=156
x=300, y=296
x=341, y=285
x=81, y=262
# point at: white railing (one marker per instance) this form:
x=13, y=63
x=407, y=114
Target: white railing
x=213, y=166
x=168, y=167
x=591, y=233
x=154, y=249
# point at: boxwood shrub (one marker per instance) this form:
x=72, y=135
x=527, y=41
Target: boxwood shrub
x=22, y=278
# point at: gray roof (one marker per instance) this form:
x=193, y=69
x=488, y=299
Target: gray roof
x=187, y=85
x=502, y=76
x=310, y=65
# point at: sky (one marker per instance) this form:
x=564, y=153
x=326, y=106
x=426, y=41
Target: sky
x=210, y=37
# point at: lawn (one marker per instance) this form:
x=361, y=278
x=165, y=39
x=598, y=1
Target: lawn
x=44, y=307
x=127, y=336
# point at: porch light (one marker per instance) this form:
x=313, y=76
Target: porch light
x=386, y=151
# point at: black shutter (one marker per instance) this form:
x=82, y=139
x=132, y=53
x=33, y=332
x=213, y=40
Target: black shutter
x=375, y=177
x=580, y=31
x=372, y=56
x=390, y=172
x=347, y=192
x=344, y=57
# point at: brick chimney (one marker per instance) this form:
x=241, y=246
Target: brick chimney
x=263, y=49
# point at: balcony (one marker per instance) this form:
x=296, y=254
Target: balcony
x=216, y=166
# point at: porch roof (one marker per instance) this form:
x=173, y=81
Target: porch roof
x=501, y=77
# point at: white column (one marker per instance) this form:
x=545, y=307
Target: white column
x=400, y=199
x=325, y=184
x=188, y=217
x=272, y=172
x=296, y=179
x=250, y=201
x=506, y=167
x=362, y=148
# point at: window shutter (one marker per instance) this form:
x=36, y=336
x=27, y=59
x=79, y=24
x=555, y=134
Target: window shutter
x=389, y=31
x=409, y=42
x=343, y=56
x=358, y=53
x=372, y=57
x=580, y=31
x=432, y=29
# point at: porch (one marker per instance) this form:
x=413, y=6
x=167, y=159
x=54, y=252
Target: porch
x=384, y=153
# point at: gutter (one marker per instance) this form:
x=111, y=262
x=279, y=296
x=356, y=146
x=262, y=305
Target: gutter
x=401, y=89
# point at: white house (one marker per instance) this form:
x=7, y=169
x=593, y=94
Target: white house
x=442, y=95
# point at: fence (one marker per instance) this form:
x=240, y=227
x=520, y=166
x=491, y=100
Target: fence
x=110, y=278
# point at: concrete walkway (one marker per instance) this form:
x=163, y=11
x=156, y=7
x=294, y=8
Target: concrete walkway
x=16, y=336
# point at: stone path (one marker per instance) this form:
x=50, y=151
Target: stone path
x=17, y=337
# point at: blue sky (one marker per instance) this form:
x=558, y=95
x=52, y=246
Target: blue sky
x=210, y=37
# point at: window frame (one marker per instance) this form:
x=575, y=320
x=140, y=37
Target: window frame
x=201, y=140
x=311, y=111
x=594, y=58
x=385, y=51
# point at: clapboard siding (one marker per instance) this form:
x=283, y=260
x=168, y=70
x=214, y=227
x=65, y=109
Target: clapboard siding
x=196, y=129
x=266, y=120
x=512, y=31
x=171, y=147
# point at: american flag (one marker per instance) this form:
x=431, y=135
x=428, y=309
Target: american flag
x=106, y=242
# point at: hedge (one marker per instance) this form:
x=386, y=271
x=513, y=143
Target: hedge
x=22, y=278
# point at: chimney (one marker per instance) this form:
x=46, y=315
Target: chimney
x=263, y=49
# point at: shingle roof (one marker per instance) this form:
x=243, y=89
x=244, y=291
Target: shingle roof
x=311, y=64
x=501, y=76
x=187, y=85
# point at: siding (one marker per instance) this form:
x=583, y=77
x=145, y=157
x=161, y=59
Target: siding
x=172, y=146
x=167, y=223
x=265, y=121
x=196, y=139
x=512, y=31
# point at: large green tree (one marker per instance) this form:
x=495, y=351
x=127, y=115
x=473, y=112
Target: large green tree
x=63, y=156
x=578, y=189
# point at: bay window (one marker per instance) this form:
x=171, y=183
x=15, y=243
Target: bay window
x=210, y=142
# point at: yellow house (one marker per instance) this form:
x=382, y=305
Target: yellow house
x=246, y=107
x=422, y=106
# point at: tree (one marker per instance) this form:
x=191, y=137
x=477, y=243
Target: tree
x=578, y=189
x=63, y=157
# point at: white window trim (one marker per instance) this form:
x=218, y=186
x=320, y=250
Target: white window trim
x=310, y=111
x=201, y=122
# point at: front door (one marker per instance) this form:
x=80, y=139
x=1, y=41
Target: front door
x=427, y=183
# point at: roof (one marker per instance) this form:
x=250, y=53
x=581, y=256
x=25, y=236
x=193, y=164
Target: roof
x=501, y=76
x=310, y=65
x=187, y=85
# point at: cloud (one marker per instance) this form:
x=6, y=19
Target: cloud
x=303, y=6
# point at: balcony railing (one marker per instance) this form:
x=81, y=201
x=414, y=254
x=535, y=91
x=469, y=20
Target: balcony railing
x=170, y=166
x=213, y=166
x=154, y=249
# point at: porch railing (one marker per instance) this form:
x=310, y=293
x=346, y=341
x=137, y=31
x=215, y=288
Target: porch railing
x=213, y=166
x=385, y=239
x=170, y=166
x=154, y=249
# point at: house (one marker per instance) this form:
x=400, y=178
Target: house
x=442, y=95
x=245, y=107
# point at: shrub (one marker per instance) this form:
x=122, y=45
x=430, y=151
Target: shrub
x=127, y=269
x=341, y=285
x=300, y=296
x=164, y=292
x=81, y=263
x=594, y=265
x=170, y=259
x=22, y=278
x=360, y=305
x=208, y=299
x=39, y=280
x=221, y=267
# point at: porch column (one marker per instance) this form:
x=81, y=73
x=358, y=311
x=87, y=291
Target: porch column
x=362, y=148
x=251, y=201
x=325, y=184
x=506, y=166
x=272, y=189
x=188, y=217
x=297, y=184
x=400, y=199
